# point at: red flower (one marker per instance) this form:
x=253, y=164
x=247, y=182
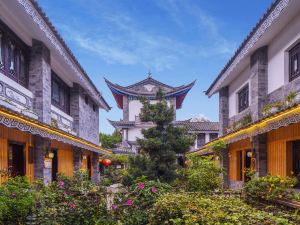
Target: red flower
x=153, y=189
x=72, y=205
x=129, y=202
x=141, y=186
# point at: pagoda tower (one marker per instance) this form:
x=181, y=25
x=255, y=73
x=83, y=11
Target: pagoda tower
x=127, y=98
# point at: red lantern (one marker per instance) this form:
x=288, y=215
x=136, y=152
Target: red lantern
x=106, y=162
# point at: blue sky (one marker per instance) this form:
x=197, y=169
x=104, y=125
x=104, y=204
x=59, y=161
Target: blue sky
x=177, y=40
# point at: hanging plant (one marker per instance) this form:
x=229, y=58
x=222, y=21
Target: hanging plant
x=218, y=146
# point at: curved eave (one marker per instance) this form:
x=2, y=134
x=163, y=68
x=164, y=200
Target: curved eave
x=121, y=124
x=119, y=91
x=11, y=119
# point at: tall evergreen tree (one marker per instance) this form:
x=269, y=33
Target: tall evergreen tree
x=163, y=141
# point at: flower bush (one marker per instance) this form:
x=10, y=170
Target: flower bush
x=268, y=187
x=70, y=201
x=16, y=201
x=184, y=208
x=201, y=175
x=133, y=207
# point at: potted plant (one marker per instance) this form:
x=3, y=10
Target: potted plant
x=266, y=109
x=290, y=98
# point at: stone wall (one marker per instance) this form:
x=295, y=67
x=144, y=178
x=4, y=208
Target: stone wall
x=86, y=120
x=259, y=82
x=223, y=110
x=40, y=80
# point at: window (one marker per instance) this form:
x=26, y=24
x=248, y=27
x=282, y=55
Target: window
x=86, y=99
x=243, y=98
x=200, y=140
x=60, y=93
x=213, y=136
x=294, y=62
x=94, y=107
x=13, y=56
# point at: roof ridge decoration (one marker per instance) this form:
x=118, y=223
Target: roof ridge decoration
x=39, y=17
x=271, y=14
x=119, y=91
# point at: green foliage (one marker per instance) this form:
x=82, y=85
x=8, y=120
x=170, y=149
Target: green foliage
x=290, y=97
x=163, y=141
x=184, y=208
x=113, y=175
x=201, y=175
x=268, y=187
x=218, y=146
x=16, y=201
x=70, y=201
x=110, y=140
x=138, y=166
x=133, y=207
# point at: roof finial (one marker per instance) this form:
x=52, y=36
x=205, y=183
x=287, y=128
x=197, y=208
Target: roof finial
x=149, y=74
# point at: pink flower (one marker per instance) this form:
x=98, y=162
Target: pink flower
x=114, y=207
x=72, y=205
x=153, y=189
x=141, y=186
x=64, y=203
x=129, y=202
x=61, y=183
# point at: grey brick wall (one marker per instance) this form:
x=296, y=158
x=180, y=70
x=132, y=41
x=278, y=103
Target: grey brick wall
x=41, y=145
x=95, y=164
x=223, y=110
x=76, y=158
x=40, y=80
x=86, y=120
x=259, y=145
x=259, y=81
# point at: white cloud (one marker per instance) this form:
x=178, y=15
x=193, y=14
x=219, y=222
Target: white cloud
x=124, y=40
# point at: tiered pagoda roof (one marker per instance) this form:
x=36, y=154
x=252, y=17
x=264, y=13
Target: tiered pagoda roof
x=148, y=88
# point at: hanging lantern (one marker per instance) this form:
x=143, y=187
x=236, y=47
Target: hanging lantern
x=106, y=162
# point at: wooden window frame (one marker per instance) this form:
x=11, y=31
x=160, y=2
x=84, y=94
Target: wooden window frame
x=64, y=89
x=20, y=48
x=294, y=52
x=244, y=92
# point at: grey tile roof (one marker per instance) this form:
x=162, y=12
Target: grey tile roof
x=199, y=126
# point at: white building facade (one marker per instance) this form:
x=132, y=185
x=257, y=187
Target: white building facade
x=127, y=99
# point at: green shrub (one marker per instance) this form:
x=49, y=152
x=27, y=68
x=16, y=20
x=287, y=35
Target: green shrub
x=70, y=201
x=16, y=201
x=201, y=175
x=268, y=187
x=133, y=207
x=183, y=208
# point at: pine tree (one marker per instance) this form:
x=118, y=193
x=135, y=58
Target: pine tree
x=162, y=142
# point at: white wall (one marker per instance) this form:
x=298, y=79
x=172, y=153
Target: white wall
x=278, y=54
x=135, y=108
x=134, y=133
x=235, y=86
